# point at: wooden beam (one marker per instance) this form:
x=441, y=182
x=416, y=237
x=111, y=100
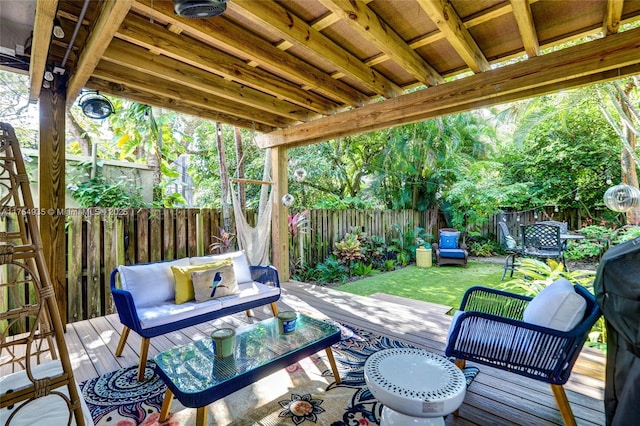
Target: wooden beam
x=42, y=28
x=124, y=91
x=136, y=30
x=566, y=67
x=300, y=34
x=229, y=36
x=442, y=13
x=51, y=189
x=279, y=221
x=526, y=26
x=140, y=81
x=612, y=17
x=112, y=14
x=162, y=67
x=363, y=20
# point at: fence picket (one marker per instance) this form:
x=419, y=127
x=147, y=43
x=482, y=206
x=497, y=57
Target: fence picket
x=155, y=235
x=141, y=237
x=94, y=287
x=168, y=234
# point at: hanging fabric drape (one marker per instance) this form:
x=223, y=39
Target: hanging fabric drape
x=254, y=240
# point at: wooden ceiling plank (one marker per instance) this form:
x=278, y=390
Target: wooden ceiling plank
x=228, y=36
x=612, y=17
x=42, y=28
x=527, y=77
x=123, y=91
x=108, y=22
x=442, y=13
x=118, y=74
x=299, y=33
x=363, y=20
x=526, y=27
x=160, y=66
x=137, y=31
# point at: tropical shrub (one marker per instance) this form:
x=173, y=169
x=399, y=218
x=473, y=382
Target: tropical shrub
x=332, y=270
x=361, y=269
x=349, y=249
x=407, y=241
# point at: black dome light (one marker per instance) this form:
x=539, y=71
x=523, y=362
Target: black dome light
x=96, y=106
x=199, y=8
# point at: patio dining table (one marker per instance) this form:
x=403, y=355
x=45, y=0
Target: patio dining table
x=571, y=236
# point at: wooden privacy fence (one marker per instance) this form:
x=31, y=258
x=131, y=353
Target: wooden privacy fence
x=98, y=240
x=326, y=227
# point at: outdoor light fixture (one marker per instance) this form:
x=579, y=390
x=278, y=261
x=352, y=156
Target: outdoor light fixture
x=48, y=75
x=288, y=200
x=199, y=8
x=58, y=32
x=94, y=105
x=622, y=198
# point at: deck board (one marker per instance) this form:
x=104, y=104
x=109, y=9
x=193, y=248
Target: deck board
x=495, y=397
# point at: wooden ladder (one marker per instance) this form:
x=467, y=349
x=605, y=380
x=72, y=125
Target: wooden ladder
x=31, y=330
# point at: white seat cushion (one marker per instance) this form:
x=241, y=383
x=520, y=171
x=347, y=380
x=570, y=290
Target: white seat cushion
x=557, y=306
x=47, y=410
x=249, y=292
x=168, y=312
x=150, y=283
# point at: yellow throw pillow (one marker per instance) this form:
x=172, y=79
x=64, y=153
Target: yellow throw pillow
x=182, y=278
x=214, y=283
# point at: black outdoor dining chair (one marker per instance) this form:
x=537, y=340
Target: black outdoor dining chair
x=542, y=241
x=511, y=247
x=564, y=229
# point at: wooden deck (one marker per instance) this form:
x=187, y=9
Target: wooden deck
x=494, y=398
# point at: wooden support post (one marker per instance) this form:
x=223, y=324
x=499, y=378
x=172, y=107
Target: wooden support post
x=279, y=223
x=51, y=189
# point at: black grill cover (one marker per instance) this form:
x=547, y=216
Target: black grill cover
x=617, y=291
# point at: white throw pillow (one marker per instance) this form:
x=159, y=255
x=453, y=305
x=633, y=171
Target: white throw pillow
x=557, y=306
x=150, y=283
x=240, y=264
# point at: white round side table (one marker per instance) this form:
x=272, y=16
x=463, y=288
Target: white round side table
x=415, y=386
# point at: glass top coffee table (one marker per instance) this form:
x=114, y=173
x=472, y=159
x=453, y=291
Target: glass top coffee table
x=193, y=374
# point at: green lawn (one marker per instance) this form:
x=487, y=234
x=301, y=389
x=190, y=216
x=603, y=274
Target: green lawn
x=444, y=285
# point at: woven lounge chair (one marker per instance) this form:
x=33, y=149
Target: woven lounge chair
x=490, y=329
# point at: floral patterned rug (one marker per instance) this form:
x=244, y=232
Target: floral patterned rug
x=305, y=393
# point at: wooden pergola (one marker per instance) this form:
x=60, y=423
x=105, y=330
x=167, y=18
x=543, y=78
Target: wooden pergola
x=305, y=71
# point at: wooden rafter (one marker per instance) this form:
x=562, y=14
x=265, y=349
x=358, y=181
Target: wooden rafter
x=42, y=28
x=524, y=19
x=143, y=97
x=112, y=15
x=612, y=17
x=136, y=30
x=162, y=67
x=300, y=34
x=139, y=80
x=447, y=20
x=230, y=37
x=362, y=19
x=572, y=67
